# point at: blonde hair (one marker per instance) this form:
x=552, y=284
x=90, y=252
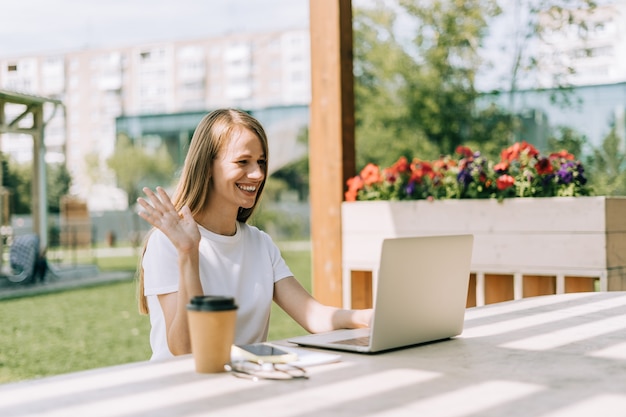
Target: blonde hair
x=211, y=135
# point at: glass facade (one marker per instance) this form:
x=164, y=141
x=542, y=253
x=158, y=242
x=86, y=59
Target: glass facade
x=593, y=112
x=283, y=125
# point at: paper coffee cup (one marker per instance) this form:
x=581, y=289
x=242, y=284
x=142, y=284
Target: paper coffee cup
x=212, y=322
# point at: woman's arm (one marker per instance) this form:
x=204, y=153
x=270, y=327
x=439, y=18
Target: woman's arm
x=174, y=305
x=182, y=230
x=312, y=315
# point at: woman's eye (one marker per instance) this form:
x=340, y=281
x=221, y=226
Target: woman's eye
x=262, y=162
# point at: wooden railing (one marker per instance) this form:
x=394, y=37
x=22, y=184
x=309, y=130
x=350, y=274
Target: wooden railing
x=522, y=247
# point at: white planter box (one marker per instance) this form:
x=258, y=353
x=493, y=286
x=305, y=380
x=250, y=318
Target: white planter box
x=560, y=236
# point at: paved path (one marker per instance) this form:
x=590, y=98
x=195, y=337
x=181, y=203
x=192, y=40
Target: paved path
x=77, y=276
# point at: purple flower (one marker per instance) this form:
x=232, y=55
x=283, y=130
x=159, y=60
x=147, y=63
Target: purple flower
x=565, y=173
x=410, y=188
x=581, y=171
x=464, y=177
x=547, y=179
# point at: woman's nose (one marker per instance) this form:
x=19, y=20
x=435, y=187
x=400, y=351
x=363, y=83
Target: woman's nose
x=256, y=171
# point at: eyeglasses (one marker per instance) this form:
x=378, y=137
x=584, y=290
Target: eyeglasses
x=272, y=371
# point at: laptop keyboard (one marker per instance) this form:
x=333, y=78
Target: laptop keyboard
x=357, y=341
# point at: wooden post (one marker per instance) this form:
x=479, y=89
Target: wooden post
x=331, y=139
x=39, y=186
x=362, y=294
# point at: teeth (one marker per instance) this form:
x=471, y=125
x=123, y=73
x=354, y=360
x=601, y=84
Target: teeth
x=247, y=187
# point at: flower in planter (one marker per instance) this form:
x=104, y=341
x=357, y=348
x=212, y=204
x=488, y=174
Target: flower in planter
x=475, y=176
x=521, y=172
x=559, y=174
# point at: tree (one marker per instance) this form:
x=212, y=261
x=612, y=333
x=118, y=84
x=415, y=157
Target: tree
x=417, y=95
x=564, y=137
x=59, y=180
x=536, y=62
x=93, y=167
x=440, y=90
x=295, y=175
x=491, y=131
x=607, y=166
x=384, y=129
x=418, y=98
x=135, y=168
x=17, y=178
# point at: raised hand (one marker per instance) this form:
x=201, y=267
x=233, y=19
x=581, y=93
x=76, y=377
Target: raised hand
x=180, y=228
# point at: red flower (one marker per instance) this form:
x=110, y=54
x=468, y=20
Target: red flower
x=510, y=154
x=419, y=169
x=401, y=165
x=428, y=169
x=505, y=181
x=371, y=174
x=416, y=175
x=544, y=166
x=390, y=175
x=501, y=167
x=562, y=155
x=443, y=164
x=513, y=152
x=464, y=151
x=354, y=185
x=530, y=149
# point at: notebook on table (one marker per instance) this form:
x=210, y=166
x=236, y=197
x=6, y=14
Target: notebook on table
x=420, y=296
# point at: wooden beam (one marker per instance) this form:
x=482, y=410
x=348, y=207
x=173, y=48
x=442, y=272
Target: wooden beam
x=39, y=186
x=331, y=139
x=29, y=109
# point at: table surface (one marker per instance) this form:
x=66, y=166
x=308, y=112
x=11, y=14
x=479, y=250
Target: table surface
x=549, y=356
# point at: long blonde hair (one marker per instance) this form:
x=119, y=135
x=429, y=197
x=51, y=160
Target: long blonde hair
x=210, y=137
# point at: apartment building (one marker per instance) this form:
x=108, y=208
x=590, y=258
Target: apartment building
x=597, y=77
x=253, y=71
x=596, y=55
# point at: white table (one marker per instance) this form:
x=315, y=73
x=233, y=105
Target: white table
x=556, y=355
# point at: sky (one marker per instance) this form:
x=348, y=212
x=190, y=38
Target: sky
x=29, y=27
x=39, y=27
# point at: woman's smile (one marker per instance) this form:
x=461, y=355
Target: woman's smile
x=248, y=188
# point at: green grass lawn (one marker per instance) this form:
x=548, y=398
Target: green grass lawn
x=94, y=327
x=281, y=325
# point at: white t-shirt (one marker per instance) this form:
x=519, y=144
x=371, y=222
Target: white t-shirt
x=244, y=266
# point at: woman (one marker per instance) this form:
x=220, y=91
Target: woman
x=201, y=243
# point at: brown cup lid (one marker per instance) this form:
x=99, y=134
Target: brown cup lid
x=211, y=303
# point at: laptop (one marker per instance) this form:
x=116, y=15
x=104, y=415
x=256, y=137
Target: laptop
x=420, y=296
